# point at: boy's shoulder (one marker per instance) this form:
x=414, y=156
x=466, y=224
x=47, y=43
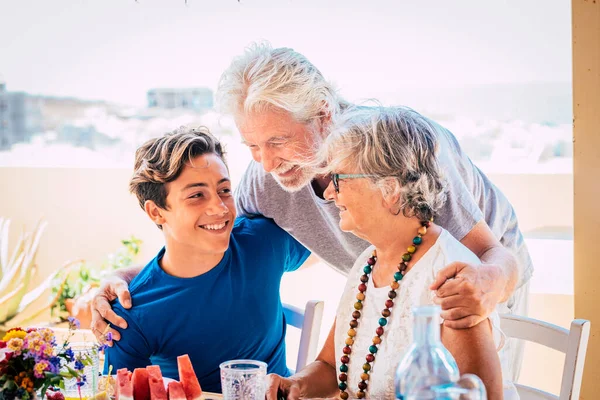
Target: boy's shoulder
x=252, y=225
x=148, y=276
x=257, y=234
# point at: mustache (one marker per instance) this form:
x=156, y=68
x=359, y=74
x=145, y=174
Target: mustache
x=283, y=168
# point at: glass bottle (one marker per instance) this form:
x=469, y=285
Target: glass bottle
x=427, y=366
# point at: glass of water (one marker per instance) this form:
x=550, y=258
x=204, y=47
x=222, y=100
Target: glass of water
x=243, y=379
x=87, y=388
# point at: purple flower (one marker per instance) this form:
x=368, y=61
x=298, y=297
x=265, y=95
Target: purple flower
x=81, y=381
x=79, y=365
x=74, y=322
x=54, y=365
x=109, y=337
x=69, y=354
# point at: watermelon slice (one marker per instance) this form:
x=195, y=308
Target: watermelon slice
x=155, y=381
x=175, y=391
x=141, y=387
x=124, y=390
x=188, y=378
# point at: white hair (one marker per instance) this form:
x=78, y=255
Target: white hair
x=265, y=78
x=398, y=148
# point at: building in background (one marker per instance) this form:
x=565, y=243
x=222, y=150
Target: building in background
x=20, y=117
x=197, y=99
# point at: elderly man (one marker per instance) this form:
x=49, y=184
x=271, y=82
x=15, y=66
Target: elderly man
x=283, y=108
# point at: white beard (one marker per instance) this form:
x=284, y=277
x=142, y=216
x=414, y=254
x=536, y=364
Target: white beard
x=295, y=182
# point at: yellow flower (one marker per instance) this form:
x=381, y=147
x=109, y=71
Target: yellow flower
x=14, y=333
x=39, y=369
x=47, y=334
x=15, y=344
x=48, y=351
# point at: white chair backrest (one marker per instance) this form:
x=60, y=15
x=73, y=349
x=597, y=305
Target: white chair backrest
x=572, y=342
x=309, y=322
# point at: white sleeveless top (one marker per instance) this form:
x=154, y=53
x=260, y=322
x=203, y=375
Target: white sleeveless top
x=397, y=337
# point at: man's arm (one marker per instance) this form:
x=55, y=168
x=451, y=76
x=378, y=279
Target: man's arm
x=475, y=290
x=111, y=288
x=133, y=351
x=467, y=293
x=492, y=254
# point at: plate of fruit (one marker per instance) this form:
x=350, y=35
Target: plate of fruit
x=148, y=383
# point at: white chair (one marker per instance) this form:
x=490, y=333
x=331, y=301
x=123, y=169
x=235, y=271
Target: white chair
x=309, y=322
x=572, y=342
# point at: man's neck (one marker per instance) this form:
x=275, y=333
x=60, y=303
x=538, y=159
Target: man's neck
x=187, y=262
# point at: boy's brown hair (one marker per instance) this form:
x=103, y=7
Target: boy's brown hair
x=161, y=160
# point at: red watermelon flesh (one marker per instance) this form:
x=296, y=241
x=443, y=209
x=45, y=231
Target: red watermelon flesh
x=188, y=378
x=155, y=381
x=141, y=387
x=124, y=390
x=175, y=391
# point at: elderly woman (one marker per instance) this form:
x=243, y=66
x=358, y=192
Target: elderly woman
x=388, y=186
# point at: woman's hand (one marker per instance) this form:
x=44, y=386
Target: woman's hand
x=281, y=388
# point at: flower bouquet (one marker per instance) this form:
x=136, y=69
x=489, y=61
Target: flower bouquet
x=31, y=362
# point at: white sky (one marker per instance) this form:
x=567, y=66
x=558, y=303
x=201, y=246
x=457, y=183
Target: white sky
x=118, y=49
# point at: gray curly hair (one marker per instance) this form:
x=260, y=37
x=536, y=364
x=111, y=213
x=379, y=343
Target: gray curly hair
x=264, y=78
x=398, y=148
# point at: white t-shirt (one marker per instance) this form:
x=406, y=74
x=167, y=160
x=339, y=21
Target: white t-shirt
x=413, y=291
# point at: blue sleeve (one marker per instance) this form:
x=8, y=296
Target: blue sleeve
x=295, y=253
x=283, y=248
x=132, y=351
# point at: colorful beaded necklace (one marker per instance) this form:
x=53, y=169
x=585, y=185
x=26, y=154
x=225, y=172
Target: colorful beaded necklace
x=389, y=303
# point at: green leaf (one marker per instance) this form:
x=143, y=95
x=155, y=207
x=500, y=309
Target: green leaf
x=9, y=385
x=6, y=312
x=45, y=388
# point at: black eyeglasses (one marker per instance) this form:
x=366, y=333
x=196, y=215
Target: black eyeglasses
x=335, y=178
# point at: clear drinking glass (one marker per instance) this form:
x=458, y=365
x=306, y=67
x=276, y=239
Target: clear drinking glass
x=243, y=379
x=83, y=350
x=427, y=363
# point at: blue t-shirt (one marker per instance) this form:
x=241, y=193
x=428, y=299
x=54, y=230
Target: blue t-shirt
x=231, y=312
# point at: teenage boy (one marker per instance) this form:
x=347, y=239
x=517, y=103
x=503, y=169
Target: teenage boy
x=213, y=291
